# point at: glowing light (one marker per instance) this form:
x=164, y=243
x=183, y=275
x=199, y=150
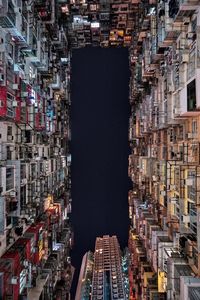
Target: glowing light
x=95, y=25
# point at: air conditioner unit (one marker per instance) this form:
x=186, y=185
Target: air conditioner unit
x=14, y=104
x=25, y=263
x=190, y=35
x=174, y=200
x=176, y=111
x=12, y=193
x=15, y=86
x=1, y=77
x=29, y=8
x=10, y=137
x=189, y=181
x=163, y=193
x=17, y=10
x=185, y=218
x=171, y=88
x=14, y=280
x=24, y=94
x=172, y=187
x=24, y=181
x=154, y=178
x=189, y=135
x=185, y=58
x=23, y=104
x=186, y=21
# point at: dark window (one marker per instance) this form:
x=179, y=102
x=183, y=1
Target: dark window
x=28, y=136
x=191, y=96
x=23, y=171
x=9, y=132
x=173, y=8
x=9, y=178
x=9, y=153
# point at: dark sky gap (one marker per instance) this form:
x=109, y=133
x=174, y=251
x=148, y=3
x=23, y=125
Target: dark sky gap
x=99, y=115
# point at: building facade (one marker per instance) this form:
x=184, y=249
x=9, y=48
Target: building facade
x=164, y=163
x=35, y=235
x=102, y=275
x=36, y=39
x=108, y=281
x=83, y=290
x=102, y=23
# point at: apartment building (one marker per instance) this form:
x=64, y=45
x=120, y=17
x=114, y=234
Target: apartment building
x=103, y=275
x=164, y=138
x=100, y=23
x=36, y=38
x=35, y=235
x=83, y=290
x=108, y=278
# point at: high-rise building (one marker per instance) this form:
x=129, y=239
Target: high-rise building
x=107, y=280
x=83, y=290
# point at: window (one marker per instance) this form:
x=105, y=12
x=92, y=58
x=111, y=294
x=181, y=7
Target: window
x=33, y=171
x=194, y=126
x=28, y=136
x=9, y=179
x=124, y=9
x=9, y=131
x=171, y=135
x=10, y=99
x=191, y=189
x=93, y=7
x=23, y=171
x=194, y=26
x=191, y=96
x=9, y=153
x=23, y=197
x=22, y=280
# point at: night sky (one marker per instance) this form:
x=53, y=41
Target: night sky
x=99, y=115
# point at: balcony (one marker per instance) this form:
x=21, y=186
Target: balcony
x=168, y=38
x=188, y=92
x=177, y=269
x=179, y=9
x=189, y=287
x=7, y=14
